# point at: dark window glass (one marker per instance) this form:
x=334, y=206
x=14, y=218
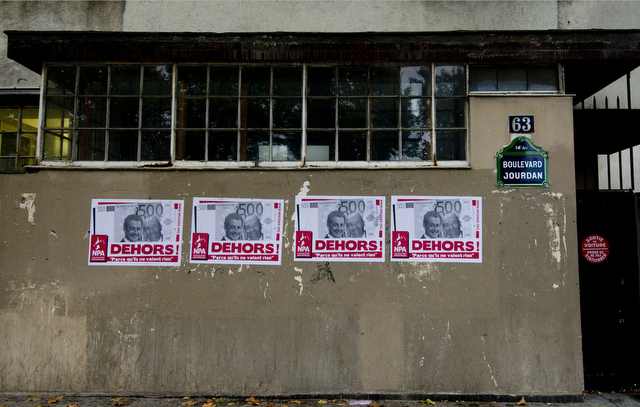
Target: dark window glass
x=223, y=113
x=416, y=80
x=192, y=80
x=155, y=145
x=384, y=113
x=124, y=113
x=123, y=145
x=321, y=146
x=157, y=80
x=286, y=146
x=57, y=145
x=257, y=146
x=416, y=145
x=257, y=113
x=58, y=112
x=543, y=78
x=223, y=81
x=321, y=113
x=384, y=146
x=352, y=146
x=190, y=145
x=191, y=113
x=416, y=113
x=223, y=146
x=287, y=113
x=92, y=112
x=512, y=79
x=450, y=80
x=483, y=79
x=321, y=81
x=352, y=81
x=61, y=80
x=156, y=113
x=256, y=81
x=93, y=80
x=451, y=145
x=287, y=81
x=8, y=143
x=450, y=112
x=384, y=81
x=125, y=80
x=91, y=145
x=352, y=113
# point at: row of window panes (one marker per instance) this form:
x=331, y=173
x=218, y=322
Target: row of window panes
x=249, y=113
x=18, y=132
x=535, y=78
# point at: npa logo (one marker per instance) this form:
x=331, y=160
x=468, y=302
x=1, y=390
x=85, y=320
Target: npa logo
x=199, y=245
x=98, y=248
x=303, y=244
x=400, y=247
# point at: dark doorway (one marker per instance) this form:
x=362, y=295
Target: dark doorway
x=610, y=290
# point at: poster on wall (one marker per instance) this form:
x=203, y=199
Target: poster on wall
x=140, y=232
x=236, y=231
x=436, y=229
x=340, y=228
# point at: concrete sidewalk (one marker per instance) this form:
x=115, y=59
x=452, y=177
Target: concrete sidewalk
x=61, y=400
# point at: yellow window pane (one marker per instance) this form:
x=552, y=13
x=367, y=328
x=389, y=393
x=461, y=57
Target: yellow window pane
x=9, y=119
x=30, y=119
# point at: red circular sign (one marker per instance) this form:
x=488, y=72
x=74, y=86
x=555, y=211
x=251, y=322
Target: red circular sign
x=595, y=249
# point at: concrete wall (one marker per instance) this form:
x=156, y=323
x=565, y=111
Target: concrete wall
x=510, y=325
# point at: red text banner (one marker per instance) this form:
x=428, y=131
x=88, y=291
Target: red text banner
x=236, y=231
x=436, y=229
x=340, y=228
x=135, y=232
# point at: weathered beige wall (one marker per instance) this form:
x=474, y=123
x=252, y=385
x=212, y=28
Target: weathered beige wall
x=510, y=325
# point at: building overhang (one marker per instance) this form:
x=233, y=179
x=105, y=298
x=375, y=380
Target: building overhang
x=591, y=58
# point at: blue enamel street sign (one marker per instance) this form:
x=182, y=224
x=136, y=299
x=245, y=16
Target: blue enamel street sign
x=522, y=164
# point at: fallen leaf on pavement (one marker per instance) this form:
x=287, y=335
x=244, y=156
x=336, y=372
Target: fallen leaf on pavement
x=208, y=404
x=123, y=403
x=322, y=402
x=73, y=405
x=295, y=402
x=55, y=400
x=188, y=403
x=220, y=400
x=252, y=401
x=33, y=399
x=271, y=404
x=522, y=402
x=375, y=405
x=116, y=400
x=427, y=401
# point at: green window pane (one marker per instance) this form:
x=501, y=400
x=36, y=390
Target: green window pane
x=61, y=80
x=451, y=145
x=125, y=80
x=156, y=113
x=91, y=145
x=384, y=113
x=352, y=81
x=256, y=81
x=416, y=80
x=257, y=113
x=93, y=80
x=223, y=113
x=58, y=112
x=192, y=80
x=158, y=80
x=28, y=143
x=223, y=81
x=9, y=119
x=287, y=113
x=450, y=80
x=450, y=112
x=321, y=113
x=124, y=113
x=191, y=113
x=190, y=145
x=156, y=145
x=123, y=145
x=256, y=146
x=321, y=81
x=286, y=146
x=384, y=81
x=352, y=113
x=384, y=146
x=92, y=112
x=30, y=119
x=57, y=145
x=8, y=144
x=352, y=146
x=321, y=146
x=416, y=145
x=223, y=146
x=416, y=113
x=287, y=81
x=7, y=164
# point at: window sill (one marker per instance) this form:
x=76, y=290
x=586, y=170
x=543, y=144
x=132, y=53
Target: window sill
x=197, y=166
